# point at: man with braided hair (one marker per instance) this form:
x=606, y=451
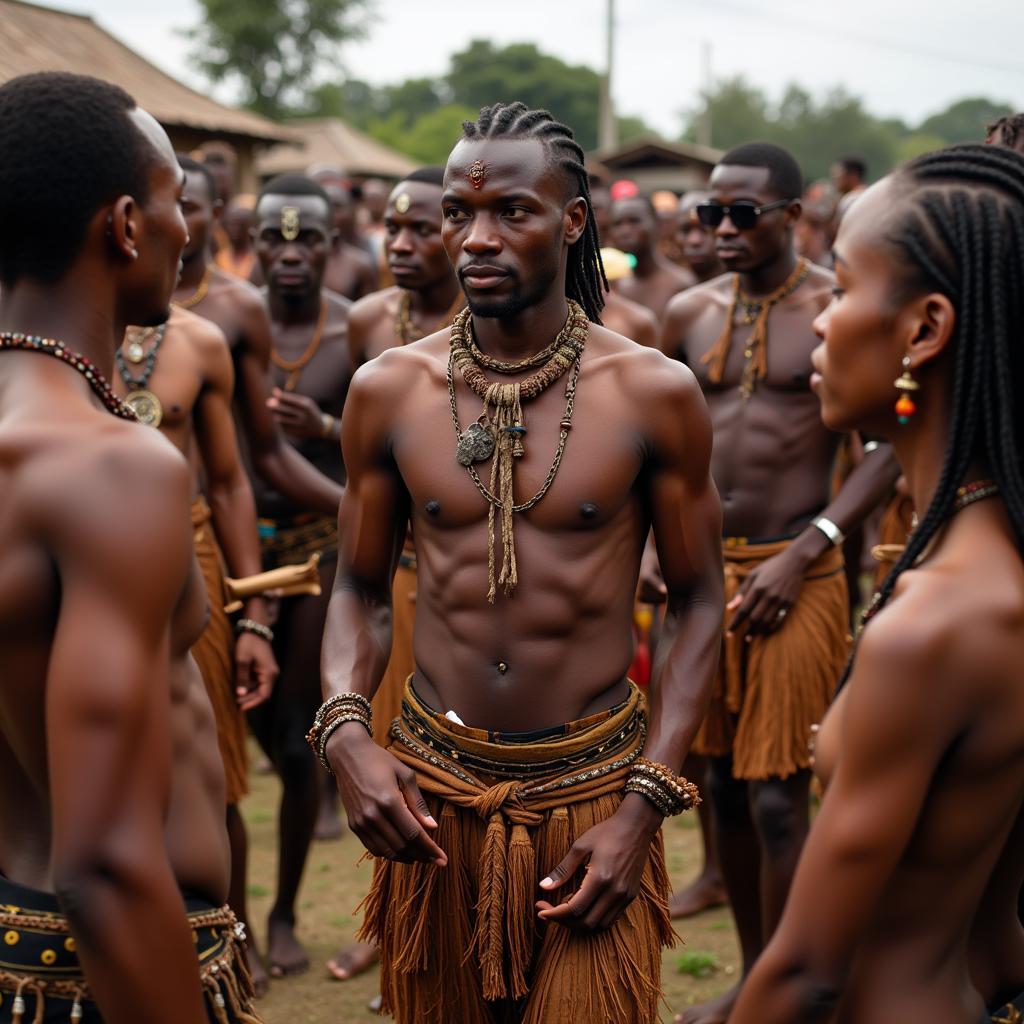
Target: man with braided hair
x=748, y=336
x=516, y=812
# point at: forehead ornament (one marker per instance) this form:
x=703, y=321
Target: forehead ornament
x=402, y=203
x=477, y=173
x=289, y=223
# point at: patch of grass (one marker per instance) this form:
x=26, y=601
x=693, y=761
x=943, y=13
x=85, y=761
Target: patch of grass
x=698, y=963
x=257, y=890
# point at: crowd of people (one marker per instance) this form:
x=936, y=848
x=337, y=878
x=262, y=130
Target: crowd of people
x=379, y=476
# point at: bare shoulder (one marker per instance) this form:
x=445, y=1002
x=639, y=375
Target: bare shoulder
x=108, y=484
x=338, y=305
x=685, y=306
x=395, y=371
x=203, y=333
x=818, y=288
x=358, y=256
x=365, y=312
x=242, y=294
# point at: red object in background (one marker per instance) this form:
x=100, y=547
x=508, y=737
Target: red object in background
x=624, y=190
x=640, y=670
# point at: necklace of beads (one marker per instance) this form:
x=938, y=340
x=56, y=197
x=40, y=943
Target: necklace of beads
x=57, y=349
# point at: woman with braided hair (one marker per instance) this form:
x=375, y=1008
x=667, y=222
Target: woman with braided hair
x=923, y=752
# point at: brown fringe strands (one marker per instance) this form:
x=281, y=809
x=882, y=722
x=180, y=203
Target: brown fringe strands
x=214, y=652
x=506, y=427
x=223, y=971
x=770, y=691
x=462, y=944
x=756, y=351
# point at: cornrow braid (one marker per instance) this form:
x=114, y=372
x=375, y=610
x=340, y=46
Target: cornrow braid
x=585, y=279
x=960, y=228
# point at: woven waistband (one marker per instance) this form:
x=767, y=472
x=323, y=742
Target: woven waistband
x=549, y=752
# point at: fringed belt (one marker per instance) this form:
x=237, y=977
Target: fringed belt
x=38, y=960
x=586, y=762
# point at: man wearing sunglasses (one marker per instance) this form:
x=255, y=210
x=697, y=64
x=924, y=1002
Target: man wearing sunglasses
x=748, y=336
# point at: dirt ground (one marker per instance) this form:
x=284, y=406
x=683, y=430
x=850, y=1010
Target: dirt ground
x=704, y=964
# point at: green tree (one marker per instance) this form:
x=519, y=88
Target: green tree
x=429, y=138
x=965, y=120
x=273, y=48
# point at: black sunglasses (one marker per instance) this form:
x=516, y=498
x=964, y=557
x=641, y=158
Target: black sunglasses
x=743, y=213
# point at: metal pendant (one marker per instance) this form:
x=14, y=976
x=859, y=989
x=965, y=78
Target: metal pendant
x=146, y=406
x=476, y=444
x=135, y=352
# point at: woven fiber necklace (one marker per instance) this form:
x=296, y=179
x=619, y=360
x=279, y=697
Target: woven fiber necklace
x=755, y=311
x=501, y=433
x=57, y=349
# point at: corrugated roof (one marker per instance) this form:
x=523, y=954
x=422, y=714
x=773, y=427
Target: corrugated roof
x=329, y=140
x=34, y=38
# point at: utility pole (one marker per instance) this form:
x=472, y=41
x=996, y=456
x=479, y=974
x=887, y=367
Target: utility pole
x=704, y=133
x=607, y=130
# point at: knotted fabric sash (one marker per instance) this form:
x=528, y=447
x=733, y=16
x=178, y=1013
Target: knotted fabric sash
x=526, y=792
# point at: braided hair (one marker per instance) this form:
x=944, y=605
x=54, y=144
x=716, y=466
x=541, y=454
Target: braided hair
x=959, y=229
x=585, y=279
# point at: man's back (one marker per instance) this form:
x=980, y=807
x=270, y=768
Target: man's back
x=87, y=500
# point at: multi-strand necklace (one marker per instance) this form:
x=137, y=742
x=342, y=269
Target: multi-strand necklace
x=144, y=403
x=755, y=312
x=57, y=349
x=500, y=431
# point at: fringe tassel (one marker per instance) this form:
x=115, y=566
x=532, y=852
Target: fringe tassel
x=522, y=882
x=490, y=910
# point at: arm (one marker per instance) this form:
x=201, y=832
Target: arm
x=775, y=585
x=273, y=457
x=108, y=712
x=893, y=736
x=384, y=805
x=687, y=524
x=234, y=510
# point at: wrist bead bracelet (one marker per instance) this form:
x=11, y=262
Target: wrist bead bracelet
x=256, y=628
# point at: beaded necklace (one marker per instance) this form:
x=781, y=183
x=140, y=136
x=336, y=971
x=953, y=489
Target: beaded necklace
x=57, y=349
x=143, y=402
x=502, y=433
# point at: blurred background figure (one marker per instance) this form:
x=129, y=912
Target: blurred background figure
x=237, y=257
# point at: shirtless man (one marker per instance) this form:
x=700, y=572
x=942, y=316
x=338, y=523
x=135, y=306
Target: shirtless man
x=236, y=307
x=425, y=299
x=182, y=372
x=749, y=337
x=697, y=242
x=311, y=371
x=112, y=803
x=523, y=627
x=655, y=277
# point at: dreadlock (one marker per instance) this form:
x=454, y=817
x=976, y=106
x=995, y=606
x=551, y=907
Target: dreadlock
x=959, y=226
x=585, y=279
x=1007, y=131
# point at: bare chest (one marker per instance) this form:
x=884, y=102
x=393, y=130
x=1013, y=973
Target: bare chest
x=319, y=369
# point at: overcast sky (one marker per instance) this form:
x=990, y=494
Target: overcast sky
x=905, y=58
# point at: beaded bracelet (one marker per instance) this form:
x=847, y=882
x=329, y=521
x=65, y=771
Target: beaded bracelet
x=335, y=712
x=670, y=793
x=256, y=628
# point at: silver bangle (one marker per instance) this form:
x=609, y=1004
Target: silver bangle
x=827, y=527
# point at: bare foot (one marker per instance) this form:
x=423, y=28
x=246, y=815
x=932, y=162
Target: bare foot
x=705, y=892
x=260, y=978
x=715, y=1012
x=328, y=820
x=284, y=951
x=352, y=960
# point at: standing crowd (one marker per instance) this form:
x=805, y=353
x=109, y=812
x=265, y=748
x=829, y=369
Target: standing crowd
x=381, y=476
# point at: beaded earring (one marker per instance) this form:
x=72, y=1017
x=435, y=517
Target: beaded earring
x=905, y=383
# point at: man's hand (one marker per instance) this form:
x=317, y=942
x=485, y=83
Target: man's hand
x=298, y=415
x=256, y=670
x=651, y=587
x=385, y=807
x=615, y=852
x=768, y=593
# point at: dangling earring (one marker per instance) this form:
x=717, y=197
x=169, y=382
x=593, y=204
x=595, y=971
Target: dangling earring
x=905, y=383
